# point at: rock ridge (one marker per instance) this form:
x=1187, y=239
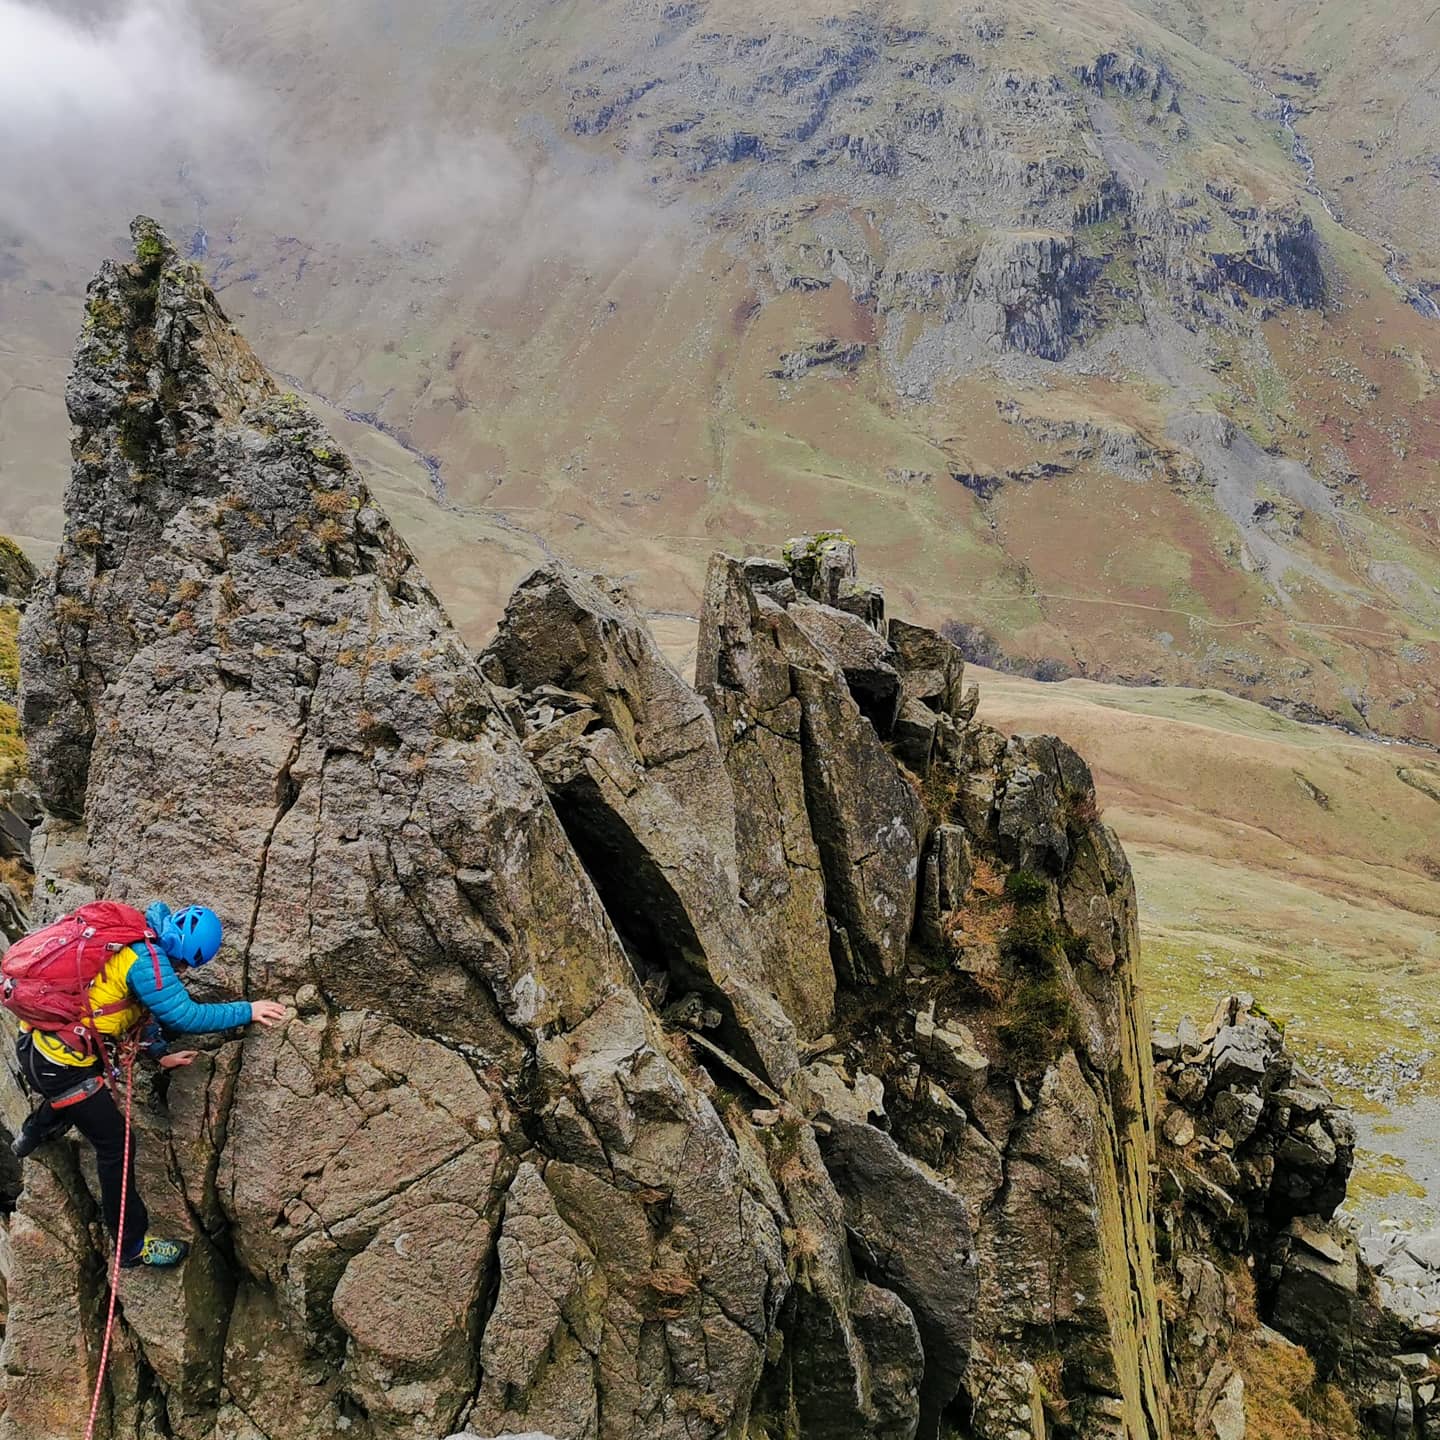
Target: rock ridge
x=634, y=1023
x=759, y=1057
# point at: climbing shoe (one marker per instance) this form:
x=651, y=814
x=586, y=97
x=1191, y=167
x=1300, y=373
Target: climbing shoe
x=26, y=1143
x=157, y=1252
x=33, y=1136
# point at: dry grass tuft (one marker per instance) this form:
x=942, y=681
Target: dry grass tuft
x=18, y=878
x=1283, y=1400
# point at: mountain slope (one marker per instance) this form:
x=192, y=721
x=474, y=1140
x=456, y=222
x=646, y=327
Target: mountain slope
x=1033, y=300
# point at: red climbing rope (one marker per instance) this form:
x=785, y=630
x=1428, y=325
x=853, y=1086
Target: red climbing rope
x=128, y=1060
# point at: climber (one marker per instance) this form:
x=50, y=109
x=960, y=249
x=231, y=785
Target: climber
x=137, y=993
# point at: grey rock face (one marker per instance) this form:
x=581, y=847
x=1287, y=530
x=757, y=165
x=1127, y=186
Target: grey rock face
x=865, y=821
x=860, y=654
x=746, y=679
x=646, y=799
x=932, y=668
x=1273, y=1138
x=274, y=715
x=916, y=1235
x=945, y=881
x=1022, y=293
x=622, y=1091
x=1256, y=1160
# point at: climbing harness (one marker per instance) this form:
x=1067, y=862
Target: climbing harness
x=91, y=1085
x=112, y=1074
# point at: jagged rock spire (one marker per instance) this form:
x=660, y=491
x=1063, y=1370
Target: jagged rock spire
x=664, y=1061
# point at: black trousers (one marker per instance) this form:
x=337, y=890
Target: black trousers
x=98, y=1119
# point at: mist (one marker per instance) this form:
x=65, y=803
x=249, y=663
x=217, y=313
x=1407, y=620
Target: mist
x=115, y=107
x=99, y=117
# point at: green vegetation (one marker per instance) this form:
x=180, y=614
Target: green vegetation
x=1040, y=1024
x=9, y=647
x=138, y=432
x=939, y=790
x=1033, y=942
x=17, y=574
x=103, y=313
x=331, y=459
x=12, y=746
x=1025, y=887
x=1382, y=1177
x=149, y=249
x=1041, y=1019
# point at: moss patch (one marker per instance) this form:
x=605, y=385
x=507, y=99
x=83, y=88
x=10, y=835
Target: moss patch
x=17, y=574
x=1382, y=1177
x=9, y=647
x=1040, y=1019
x=1025, y=887
x=12, y=748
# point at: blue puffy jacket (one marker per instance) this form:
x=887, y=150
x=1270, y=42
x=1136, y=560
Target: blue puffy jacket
x=170, y=1003
x=153, y=981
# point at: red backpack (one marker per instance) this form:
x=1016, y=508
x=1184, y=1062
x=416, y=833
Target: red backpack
x=45, y=977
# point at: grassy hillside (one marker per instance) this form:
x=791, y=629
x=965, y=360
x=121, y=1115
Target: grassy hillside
x=578, y=268
x=1283, y=859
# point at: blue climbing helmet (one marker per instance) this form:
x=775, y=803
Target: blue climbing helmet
x=200, y=935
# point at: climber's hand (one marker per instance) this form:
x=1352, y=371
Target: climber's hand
x=266, y=1012
x=176, y=1059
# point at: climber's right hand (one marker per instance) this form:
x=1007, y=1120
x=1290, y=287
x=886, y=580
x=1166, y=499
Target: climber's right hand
x=266, y=1012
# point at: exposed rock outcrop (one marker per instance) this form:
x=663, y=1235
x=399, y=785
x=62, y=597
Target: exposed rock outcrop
x=1254, y=1160
x=1023, y=291
x=661, y=1061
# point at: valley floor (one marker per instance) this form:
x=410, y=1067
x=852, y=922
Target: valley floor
x=1293, y=862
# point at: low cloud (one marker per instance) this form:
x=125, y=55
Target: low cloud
x=113, y=107
x=100, y=115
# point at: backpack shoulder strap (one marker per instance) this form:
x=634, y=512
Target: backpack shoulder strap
x=149, y=943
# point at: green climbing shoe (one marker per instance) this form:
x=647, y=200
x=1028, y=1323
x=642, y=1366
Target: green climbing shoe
x=157, y=1252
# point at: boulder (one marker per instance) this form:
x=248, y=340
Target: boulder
x=1241, y=1054
x=1318, y=1297
x=1391, y=1410
x=952, y=1053
x=647, y=801
x=1227, y=1418
x=746, y=679
x=868, y=823
x=822, y=566
x=864, y=819
x=866, y=602
x=895, y=1361
x=1045, y=785
x=932, y=669
x=913, y=736
x=945, y=880
x=916, y=1237
x=860, y=654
